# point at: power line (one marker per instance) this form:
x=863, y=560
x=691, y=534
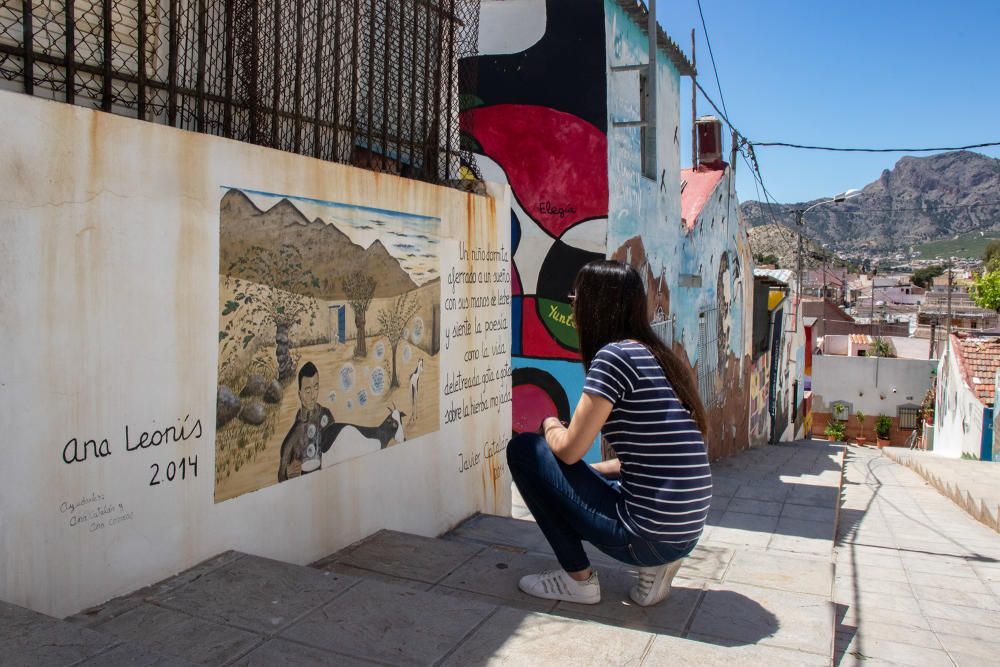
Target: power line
x=711, y=56
x=838, y=149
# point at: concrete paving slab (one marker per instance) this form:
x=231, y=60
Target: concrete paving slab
x=490, y=530
x=131, y=655
x=707, y=561
x=361, y=573
x=256, y=594
x=751, y=615
x=172, y=632
x=770, y=492
x=707, y=652
x=671, y=615
x=986, y=651
x=283, y=653
x=751, y=506
x=815, y=496
x=800, y=574
x=749, y=530
x=823, y=515
x=515, y=637
x=98, y=614
x=800, y=545
x=875, y=629
x=495, y=572
x=30, y=638
x=409, y=556
x=389, y=624
x=896, y=652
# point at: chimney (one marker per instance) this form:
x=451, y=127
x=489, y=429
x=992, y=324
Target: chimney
x=709, y=141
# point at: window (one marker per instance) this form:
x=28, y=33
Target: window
x=907, y=416
x=647, y=133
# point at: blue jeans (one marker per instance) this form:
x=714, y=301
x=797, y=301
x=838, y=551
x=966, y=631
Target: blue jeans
x=573, y=503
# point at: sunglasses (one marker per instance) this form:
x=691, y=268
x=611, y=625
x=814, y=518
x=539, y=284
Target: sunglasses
x=571, y=298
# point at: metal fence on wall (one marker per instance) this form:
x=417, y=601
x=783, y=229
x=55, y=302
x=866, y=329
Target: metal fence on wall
x=367, y=82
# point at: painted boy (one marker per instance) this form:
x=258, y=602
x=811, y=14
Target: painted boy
x=302, y=444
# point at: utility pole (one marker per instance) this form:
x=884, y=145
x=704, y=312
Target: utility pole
x=930, y=352
x=948, y=331
x=694, y=107
x=798, y=261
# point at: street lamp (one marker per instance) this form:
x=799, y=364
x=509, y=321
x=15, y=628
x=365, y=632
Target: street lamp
x=800, y=222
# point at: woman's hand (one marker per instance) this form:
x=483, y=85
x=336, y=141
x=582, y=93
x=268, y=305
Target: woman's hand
x=610, y=469
x=569, y=444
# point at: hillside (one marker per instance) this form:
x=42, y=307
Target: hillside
x=921, y=199
x=326, y=251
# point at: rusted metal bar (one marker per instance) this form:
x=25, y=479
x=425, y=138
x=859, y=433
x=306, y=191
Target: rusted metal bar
x=70, y=48
x=371, y=76
x=425, y=107
x=202, y=55
x=299, y=50
x=108, y=51
x=355, y=67
x=253, y=65
x=434, y=135
x=318, y=75
x=413, y=86
x=384, y=148
x=230, y=51
x=336, y=77
x=140, y=69
x=172, y=67
x=451, y=64
x=276, y=74
x=28, y=52
x=399, y=81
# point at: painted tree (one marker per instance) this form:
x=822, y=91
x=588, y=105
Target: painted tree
x=985, y=291
x=359, y=288
x=393, y=322
x=269, y=292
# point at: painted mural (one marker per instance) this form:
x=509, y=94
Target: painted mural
x=537, y=121
x=328, y=335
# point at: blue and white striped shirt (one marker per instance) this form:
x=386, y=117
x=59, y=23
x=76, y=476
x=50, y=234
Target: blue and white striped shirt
x=665, y=477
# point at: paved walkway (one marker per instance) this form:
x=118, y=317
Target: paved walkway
x=917, y=579
x=973, y=485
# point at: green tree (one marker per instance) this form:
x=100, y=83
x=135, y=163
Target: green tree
x=991, y=257
x=393, y=322
x=924, y=277
x=270, y=293
x=761, y=258
x=359, y=288
x=985, y=291
x=881, y=347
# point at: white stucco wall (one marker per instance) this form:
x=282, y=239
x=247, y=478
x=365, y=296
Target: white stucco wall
x=867, y=383
x=958, y=413
x=109, y=238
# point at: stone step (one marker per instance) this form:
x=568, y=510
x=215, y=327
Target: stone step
x=395, y=598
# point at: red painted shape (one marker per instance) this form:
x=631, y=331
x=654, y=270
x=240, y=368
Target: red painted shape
x=532, y=404
x=557, y=164
x=515, y=280
x=536, y=341
x=698, y=189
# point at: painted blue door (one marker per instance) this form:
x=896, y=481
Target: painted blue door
x=341, y=323
x=986, y=444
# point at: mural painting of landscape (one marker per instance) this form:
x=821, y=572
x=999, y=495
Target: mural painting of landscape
x=328, y=335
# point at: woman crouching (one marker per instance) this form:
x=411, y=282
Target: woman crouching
x=647, y=507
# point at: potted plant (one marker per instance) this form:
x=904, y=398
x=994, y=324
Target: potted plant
x=883, y=426
x=927, y=407
x=860, y=416
x=835, y=431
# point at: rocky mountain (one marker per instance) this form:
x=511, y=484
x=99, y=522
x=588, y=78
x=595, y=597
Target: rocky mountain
x=920, y=199
x=328, y=253
x=782, y=243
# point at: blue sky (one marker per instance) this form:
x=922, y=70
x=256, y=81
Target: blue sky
x=882, y=73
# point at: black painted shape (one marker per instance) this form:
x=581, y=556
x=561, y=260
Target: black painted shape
x=565, y=70
x=559, y=268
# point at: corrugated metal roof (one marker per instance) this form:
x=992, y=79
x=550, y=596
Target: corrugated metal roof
x=639, y=13
x=783, y=276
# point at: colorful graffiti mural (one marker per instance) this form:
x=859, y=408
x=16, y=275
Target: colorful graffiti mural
x=542, y=119
x=537, y=121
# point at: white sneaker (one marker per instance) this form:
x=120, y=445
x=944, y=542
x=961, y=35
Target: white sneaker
x=557, y=585
x=653, y=583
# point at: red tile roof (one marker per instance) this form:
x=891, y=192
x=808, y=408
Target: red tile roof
x=697, y=186
x=979, y=359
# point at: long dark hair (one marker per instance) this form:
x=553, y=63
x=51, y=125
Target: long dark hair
x=610, y=306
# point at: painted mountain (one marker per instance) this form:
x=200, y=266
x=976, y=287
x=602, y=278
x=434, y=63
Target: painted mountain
x=920, y=199
x=326, y=251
